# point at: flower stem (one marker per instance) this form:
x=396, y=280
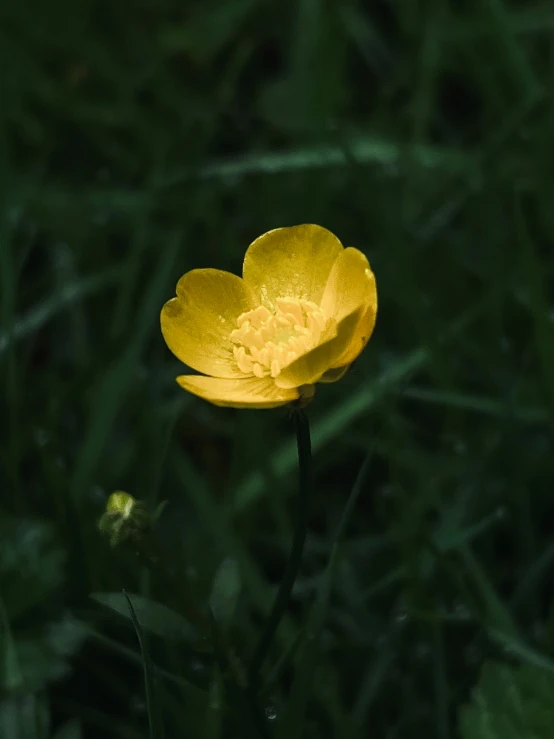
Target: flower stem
x=304, y=446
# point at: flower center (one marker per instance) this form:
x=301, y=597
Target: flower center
x=265, y=342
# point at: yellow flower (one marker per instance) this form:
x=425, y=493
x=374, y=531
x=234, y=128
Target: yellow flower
x=302, y=312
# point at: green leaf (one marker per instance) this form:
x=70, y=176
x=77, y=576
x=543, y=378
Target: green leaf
x=510, y=703
x=153, y=617
x=226, y=590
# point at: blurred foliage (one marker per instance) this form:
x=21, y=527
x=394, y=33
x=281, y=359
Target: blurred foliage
x=225, y=592
x=36, y=642
x=139, y=141
x=510, y=703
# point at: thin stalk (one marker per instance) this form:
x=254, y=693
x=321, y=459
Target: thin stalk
x=155, y=723
x=304, y=446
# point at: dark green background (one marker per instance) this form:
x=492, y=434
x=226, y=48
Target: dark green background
x=140, y=140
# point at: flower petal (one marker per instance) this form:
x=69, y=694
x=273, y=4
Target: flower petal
x=250, y=392
x=310, y=367
x=351, y=287
x=292, y=262
x=359, y=339
x=196, y=325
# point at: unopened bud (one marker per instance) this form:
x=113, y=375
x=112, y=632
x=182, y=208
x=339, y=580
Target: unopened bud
x=126, y=520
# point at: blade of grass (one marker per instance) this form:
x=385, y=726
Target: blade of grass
x=429, y=66
x=72, y=292
x=532, y=578
x=365, y=151
x=11, y=675
x=9, y=372
x=441, y=682
x=477, y=404
x=155, y=722
x=519, y=66
x=497, y=615
x=363, y=32
x=516, y=648
x=440, y=216
x=105, y=404
x=65, y=273
x=110, y=393
x=523, y=21
x=194, y=695
x=369, y=687
x=540, y=305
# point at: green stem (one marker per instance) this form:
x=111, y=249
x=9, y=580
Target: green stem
x=304, y=446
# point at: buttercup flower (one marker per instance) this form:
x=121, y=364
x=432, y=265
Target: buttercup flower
x=302, y=312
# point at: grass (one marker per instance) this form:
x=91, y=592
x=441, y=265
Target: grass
x=140, y=142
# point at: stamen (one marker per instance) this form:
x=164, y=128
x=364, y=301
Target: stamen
x=267, y=342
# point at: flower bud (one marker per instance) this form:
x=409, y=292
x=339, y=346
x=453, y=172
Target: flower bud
x=126, y=520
